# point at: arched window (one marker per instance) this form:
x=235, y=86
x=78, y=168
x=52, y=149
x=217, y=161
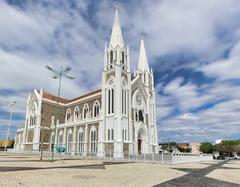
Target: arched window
x=68, y=115
x=111, y=57
x=110, y=95
x=60, y=138
x=69, y=141
x=124, y=101
x=76, y=112
x=93, y=140
x=111, y=101
x=80, y=141
x=124, y=96
x=123, y=57
x=136, y=116
x=140, y=115
x=110, y=134
x=123, y=61
x=96, y=109
x=33, y=116
x=85, y=111
x=52, y=138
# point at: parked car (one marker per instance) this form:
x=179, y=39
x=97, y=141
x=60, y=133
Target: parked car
x=220, y=157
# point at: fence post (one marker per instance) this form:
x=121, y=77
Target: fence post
x=162, y=158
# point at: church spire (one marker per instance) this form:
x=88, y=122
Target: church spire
x=143, y=61
x=116, y=37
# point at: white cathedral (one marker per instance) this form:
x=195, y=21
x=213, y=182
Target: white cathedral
x=118, y=119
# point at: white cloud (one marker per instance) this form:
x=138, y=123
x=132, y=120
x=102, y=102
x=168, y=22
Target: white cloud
x=58, y=35
x=225, y=69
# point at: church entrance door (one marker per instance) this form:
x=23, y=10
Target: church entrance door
x=139, y=146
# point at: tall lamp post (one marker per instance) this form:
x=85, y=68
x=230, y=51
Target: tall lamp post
x=58, y=74
x=9, y=123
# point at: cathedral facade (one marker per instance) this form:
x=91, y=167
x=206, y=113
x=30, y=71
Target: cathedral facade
x=118, y=119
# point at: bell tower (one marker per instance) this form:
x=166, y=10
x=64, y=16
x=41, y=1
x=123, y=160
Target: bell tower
x=116, y=79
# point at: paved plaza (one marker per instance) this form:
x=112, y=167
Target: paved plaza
x=16, y=170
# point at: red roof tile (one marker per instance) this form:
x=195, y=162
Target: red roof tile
x=54, y=98
x=65, y=101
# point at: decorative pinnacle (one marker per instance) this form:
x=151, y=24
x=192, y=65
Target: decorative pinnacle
x=117, y=5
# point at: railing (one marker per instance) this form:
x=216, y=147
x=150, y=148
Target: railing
x=156, y=158
x=125, y=157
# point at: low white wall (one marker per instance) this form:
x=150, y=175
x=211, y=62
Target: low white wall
x=185, y=158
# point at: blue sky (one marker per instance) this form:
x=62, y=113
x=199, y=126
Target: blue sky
x=193, y=48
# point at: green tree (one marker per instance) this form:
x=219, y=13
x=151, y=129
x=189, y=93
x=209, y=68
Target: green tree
x=170, y=146
x=206, y=147
x=227, y=147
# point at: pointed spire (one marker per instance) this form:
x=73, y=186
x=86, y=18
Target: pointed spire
x=116, y=37
x=105, y=56
x=143, y=61
x=134, y=72
x=128, y=59
x=152, y=76
x=105, y=47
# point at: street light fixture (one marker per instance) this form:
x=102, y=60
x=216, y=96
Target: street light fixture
x=9, y=122
x=58, y=74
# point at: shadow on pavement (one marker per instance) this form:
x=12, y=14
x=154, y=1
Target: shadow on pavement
x=197, y=178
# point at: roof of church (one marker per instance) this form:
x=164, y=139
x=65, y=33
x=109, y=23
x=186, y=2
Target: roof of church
x=86, y=95
x=65, y=101
x=54, y=98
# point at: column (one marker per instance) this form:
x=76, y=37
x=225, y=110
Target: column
x=118, y=143
x=64, y=137
x=86, y=140
x=74, y=139
x=56, y=137
x=100, y=149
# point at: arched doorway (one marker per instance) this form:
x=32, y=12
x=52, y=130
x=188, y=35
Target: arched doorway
x=141, y=139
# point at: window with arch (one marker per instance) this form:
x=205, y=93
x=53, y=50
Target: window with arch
x=96, y=109
x=111, y=57
x=110, y=134
x=80, y=140
x=33, y=116
x=124, y=134
x=110, y=96
x=60, y=138
x=76, y=112
x=123, y=57
x=85, y=111
x=68, y=115
x=110, y=101
x=124, y=96
x=69, y=141
x=52, y=138
x=140, y=115
x=93, y=140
